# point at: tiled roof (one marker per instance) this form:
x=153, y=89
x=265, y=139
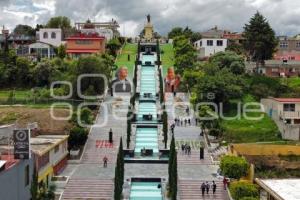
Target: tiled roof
x=287, y=100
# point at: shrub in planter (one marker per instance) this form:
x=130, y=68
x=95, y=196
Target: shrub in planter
x=242, y=189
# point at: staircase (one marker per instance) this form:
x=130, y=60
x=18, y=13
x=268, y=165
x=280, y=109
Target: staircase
x=88, y=189
x=190, y=190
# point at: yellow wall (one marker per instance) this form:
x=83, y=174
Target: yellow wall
x=43, y=176
x=263, y=149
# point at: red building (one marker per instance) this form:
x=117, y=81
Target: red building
x=81, y=44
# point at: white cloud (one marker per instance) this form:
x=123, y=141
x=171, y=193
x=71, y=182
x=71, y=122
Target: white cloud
x=199, y=15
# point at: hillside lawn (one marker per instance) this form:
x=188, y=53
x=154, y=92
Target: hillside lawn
x=167, y=56
x=122, y=59
x=247, y=131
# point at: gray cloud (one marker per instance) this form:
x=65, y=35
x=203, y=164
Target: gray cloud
x=197, y=14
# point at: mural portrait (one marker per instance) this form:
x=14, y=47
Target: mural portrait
x=172, y=81
x=121, y=83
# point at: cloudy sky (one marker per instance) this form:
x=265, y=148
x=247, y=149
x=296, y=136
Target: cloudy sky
x=200, y=15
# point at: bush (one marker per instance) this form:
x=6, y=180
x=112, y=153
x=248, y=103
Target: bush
x=234, y=167
x=249, y=198
x=243, y=189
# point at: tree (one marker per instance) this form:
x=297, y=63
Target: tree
x=260, y=40
x=234, y=167
x=184, y=53
x=24, y=30
x=61, y=51
x=77, y=137
x=119, y=173
x=43, y=72
x=172, y=169
x=236, y=47
x=165, y=127
x=34, y=189
x=223, y=84
x=263, y=86
x=113, y=46
x=177, y=31
x=242, y=189
x=92, y=65
x=23, y=72
x=230, y=60
x=59, y=22
x=187, y=32
x=195, y=37
x=129, y=116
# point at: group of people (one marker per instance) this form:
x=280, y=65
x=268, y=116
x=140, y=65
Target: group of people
x=181, y=122
x=205, y=187
x=186, y=149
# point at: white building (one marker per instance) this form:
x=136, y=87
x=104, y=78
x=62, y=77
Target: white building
x=107, y=33
x=279, y=189
x=207, y=47
x=286, y=114
x=41, y=49
x=51, y=36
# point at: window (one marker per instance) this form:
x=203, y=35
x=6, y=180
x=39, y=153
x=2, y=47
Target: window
x=298, y=44
x=289, y=107
x=56, y=149
x=210, y=42
x=274, y=69
x=219, y=43
x=27, y=175
x=45, y=35
x=283, y=45
x=83, y=42
x=200, y=43
x=53, y=35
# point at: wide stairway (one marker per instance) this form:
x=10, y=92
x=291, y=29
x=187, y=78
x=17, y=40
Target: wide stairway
x=145, y=191
x=88, y=189
x=190, y=190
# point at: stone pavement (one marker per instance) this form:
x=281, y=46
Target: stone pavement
x=191, y=170
x=89, y=179
x=190, y=190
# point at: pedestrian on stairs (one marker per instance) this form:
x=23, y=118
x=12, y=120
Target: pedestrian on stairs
x=203, y=186
x=225, y=182
x=214, y=187
x=207, y=187
x=105, y=159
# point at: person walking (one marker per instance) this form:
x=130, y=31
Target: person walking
x=225, y=183
x=189, y=121
x=182, y=148
x=214, y=187
x=185, y=121
x=105, y=159
x=189, y=150
x=181, y=122
x=186, y=149
x=207, y=187
x=203, y=187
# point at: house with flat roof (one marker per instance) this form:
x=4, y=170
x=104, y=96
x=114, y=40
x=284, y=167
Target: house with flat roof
x=286, y=114
x=52, y=36
x=85, y=43
x=279, y=189
x=280, y=68
x=207, y=47
x=288, y=48
x=50, y=153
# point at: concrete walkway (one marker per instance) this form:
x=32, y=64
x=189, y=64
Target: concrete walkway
x=89, y=179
